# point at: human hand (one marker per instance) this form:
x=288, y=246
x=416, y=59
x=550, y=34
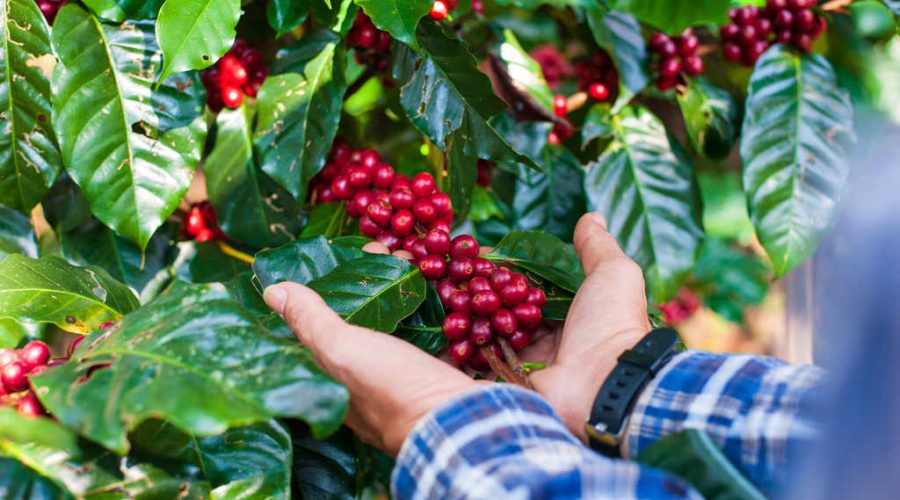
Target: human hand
x=392, y=384
x=607, y=317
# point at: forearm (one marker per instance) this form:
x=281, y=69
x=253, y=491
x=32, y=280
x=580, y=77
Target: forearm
x=753, y=407
x=504, y=442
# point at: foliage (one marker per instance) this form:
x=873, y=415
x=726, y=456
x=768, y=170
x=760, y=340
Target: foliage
x=185, y=383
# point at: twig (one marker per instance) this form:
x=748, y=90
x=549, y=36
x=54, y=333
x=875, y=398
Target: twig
x=575, y=101
x=502, y=369
x=359, y=82
x=234, y=252
x=513, y=360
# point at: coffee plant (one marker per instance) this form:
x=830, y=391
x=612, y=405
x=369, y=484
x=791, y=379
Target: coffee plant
x=136, y=354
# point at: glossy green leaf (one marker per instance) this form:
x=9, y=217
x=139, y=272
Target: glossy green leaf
x=50, y=290
x=250, y=207
x=711, y=118
x=301, y=261
x=196, y=358
x=485, y=205
x=326, y=219
x=95, y=244
x=248, y=462
x=194, y=34
x=18, y=482
x=298, y=118
x=324, y=468
x=551, y=200
x=285, y=15
x=397, y=17
x=597, y=124
x=542, y=254
x=206, y=263
x=29, y=157
x=444, y=92
x=673, y=16
x=16, y=234
x=730, y=280
x=120, y=10
x=374, y=291
x=525, y=72
x=462, y=172
x=131, y=148
x=64, y=206
x=692, y=455
x=430, y=339
x=794, y=148
x=650, y=199
x=873, y=19
x=620, y=34
x=12, y=333
x=84, y=469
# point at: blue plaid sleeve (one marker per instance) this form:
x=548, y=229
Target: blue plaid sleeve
x=755, y=408
x=501, y=441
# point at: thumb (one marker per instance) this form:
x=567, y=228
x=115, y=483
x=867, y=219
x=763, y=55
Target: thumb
x=594, y=243
x=312, y=321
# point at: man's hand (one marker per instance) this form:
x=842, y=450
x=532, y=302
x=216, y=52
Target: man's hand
x=392, y=384
x=607, y=317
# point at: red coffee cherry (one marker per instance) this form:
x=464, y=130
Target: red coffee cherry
x=519, y=340
x=536, y=296
x=445, y=288
x=599, y=91
x=423, y=185
x=402, y=222
x=504, y=322
x=502, y=277
x=442, y=204
x=439, y=11
x=460, y=269
x=34, y=354
x=483, y=267
x=560, y=105
x=7, y=356
x=479, y=284
x=461, y=351
x=485, y=303
x=481, y=333
x=232, y=97
x=433, y=267
x=424, y=211
x=383, y=176
x=30, y=406
x=419, y=250
x=464, y=246
x=456, y=326
x=14, y=377
x=368, y=227
x=341, y=188
x=388, y=239
x=460, y=301
x=359, y=177
x=380, y=212
x=402, y=198
x=437, y=242
x=528, y=316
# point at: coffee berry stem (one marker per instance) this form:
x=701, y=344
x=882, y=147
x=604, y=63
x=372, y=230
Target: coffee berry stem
x=505, y=370
x=234, y=252
x=512, y=359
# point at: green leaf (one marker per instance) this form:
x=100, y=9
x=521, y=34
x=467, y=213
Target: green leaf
x=542, y=254
x=300, y=261
x=21, y=483
x=444, y=92
x=50, y=290
x=120, y=10
x=206, y=263
x=729, y=279
x=485, y=205
x=430, y=339
x=397, y=17
x=795, y=145
x=597, y=124
x=196, y=358
x=692, y=455
x=524, y=71
x=29, y=157
x=673, y=16
x=16, y=234
x=285, y=15
x=81, y=468
x=12, y=333
x=194, y=34
x=326, y=219
x=374, y=291
x=650, y=200
x=462, y=172
x=551, y=200
x=298, y=118
x=248, y=462
x=324, y=468
x=129, y=147
x=250, y=207
x=619, y=33
x=873, y=19
x=711, y=118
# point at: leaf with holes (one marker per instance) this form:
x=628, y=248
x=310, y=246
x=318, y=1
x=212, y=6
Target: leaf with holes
x=250, y=207
x=673, y=16
x=374, y=291
x=650, y=199
x=620, y=34
x=444, y=92
x=794, y=148
x=130, y=147
x=194, y=34
x=193, y=343
x=50, y=290
x=711, y=118
x=542, y=254
x=120, y=10
x=29, y=157
x=397, y=17
x=298, y=117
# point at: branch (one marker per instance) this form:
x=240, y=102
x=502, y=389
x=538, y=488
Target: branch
x=502, y=369
x=234, y=252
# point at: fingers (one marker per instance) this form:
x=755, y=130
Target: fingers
x=310, y=318
x=593, y=242
x=380, y=248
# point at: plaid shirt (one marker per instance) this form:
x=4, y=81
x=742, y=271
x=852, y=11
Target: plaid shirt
x=500, y=441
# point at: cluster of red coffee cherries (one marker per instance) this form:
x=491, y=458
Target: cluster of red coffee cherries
x=241, y=71
x=16, y=366
x=752, y=30
x=676, y=56
x=49, y=8
x=682, y=307
x=373, y=46
x=411, y=214
x=554, y=65
x=598, y=77
x=559, y=132
x=200, y=223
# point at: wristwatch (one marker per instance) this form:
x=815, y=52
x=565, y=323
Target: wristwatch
x=606, y=426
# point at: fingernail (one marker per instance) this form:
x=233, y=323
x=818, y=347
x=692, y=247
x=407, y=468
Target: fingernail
x=275, y=296
x=598, y=218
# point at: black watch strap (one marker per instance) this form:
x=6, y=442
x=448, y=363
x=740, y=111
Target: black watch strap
x=617, y=396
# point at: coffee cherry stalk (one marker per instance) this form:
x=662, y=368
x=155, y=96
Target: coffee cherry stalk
x=492, y=311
